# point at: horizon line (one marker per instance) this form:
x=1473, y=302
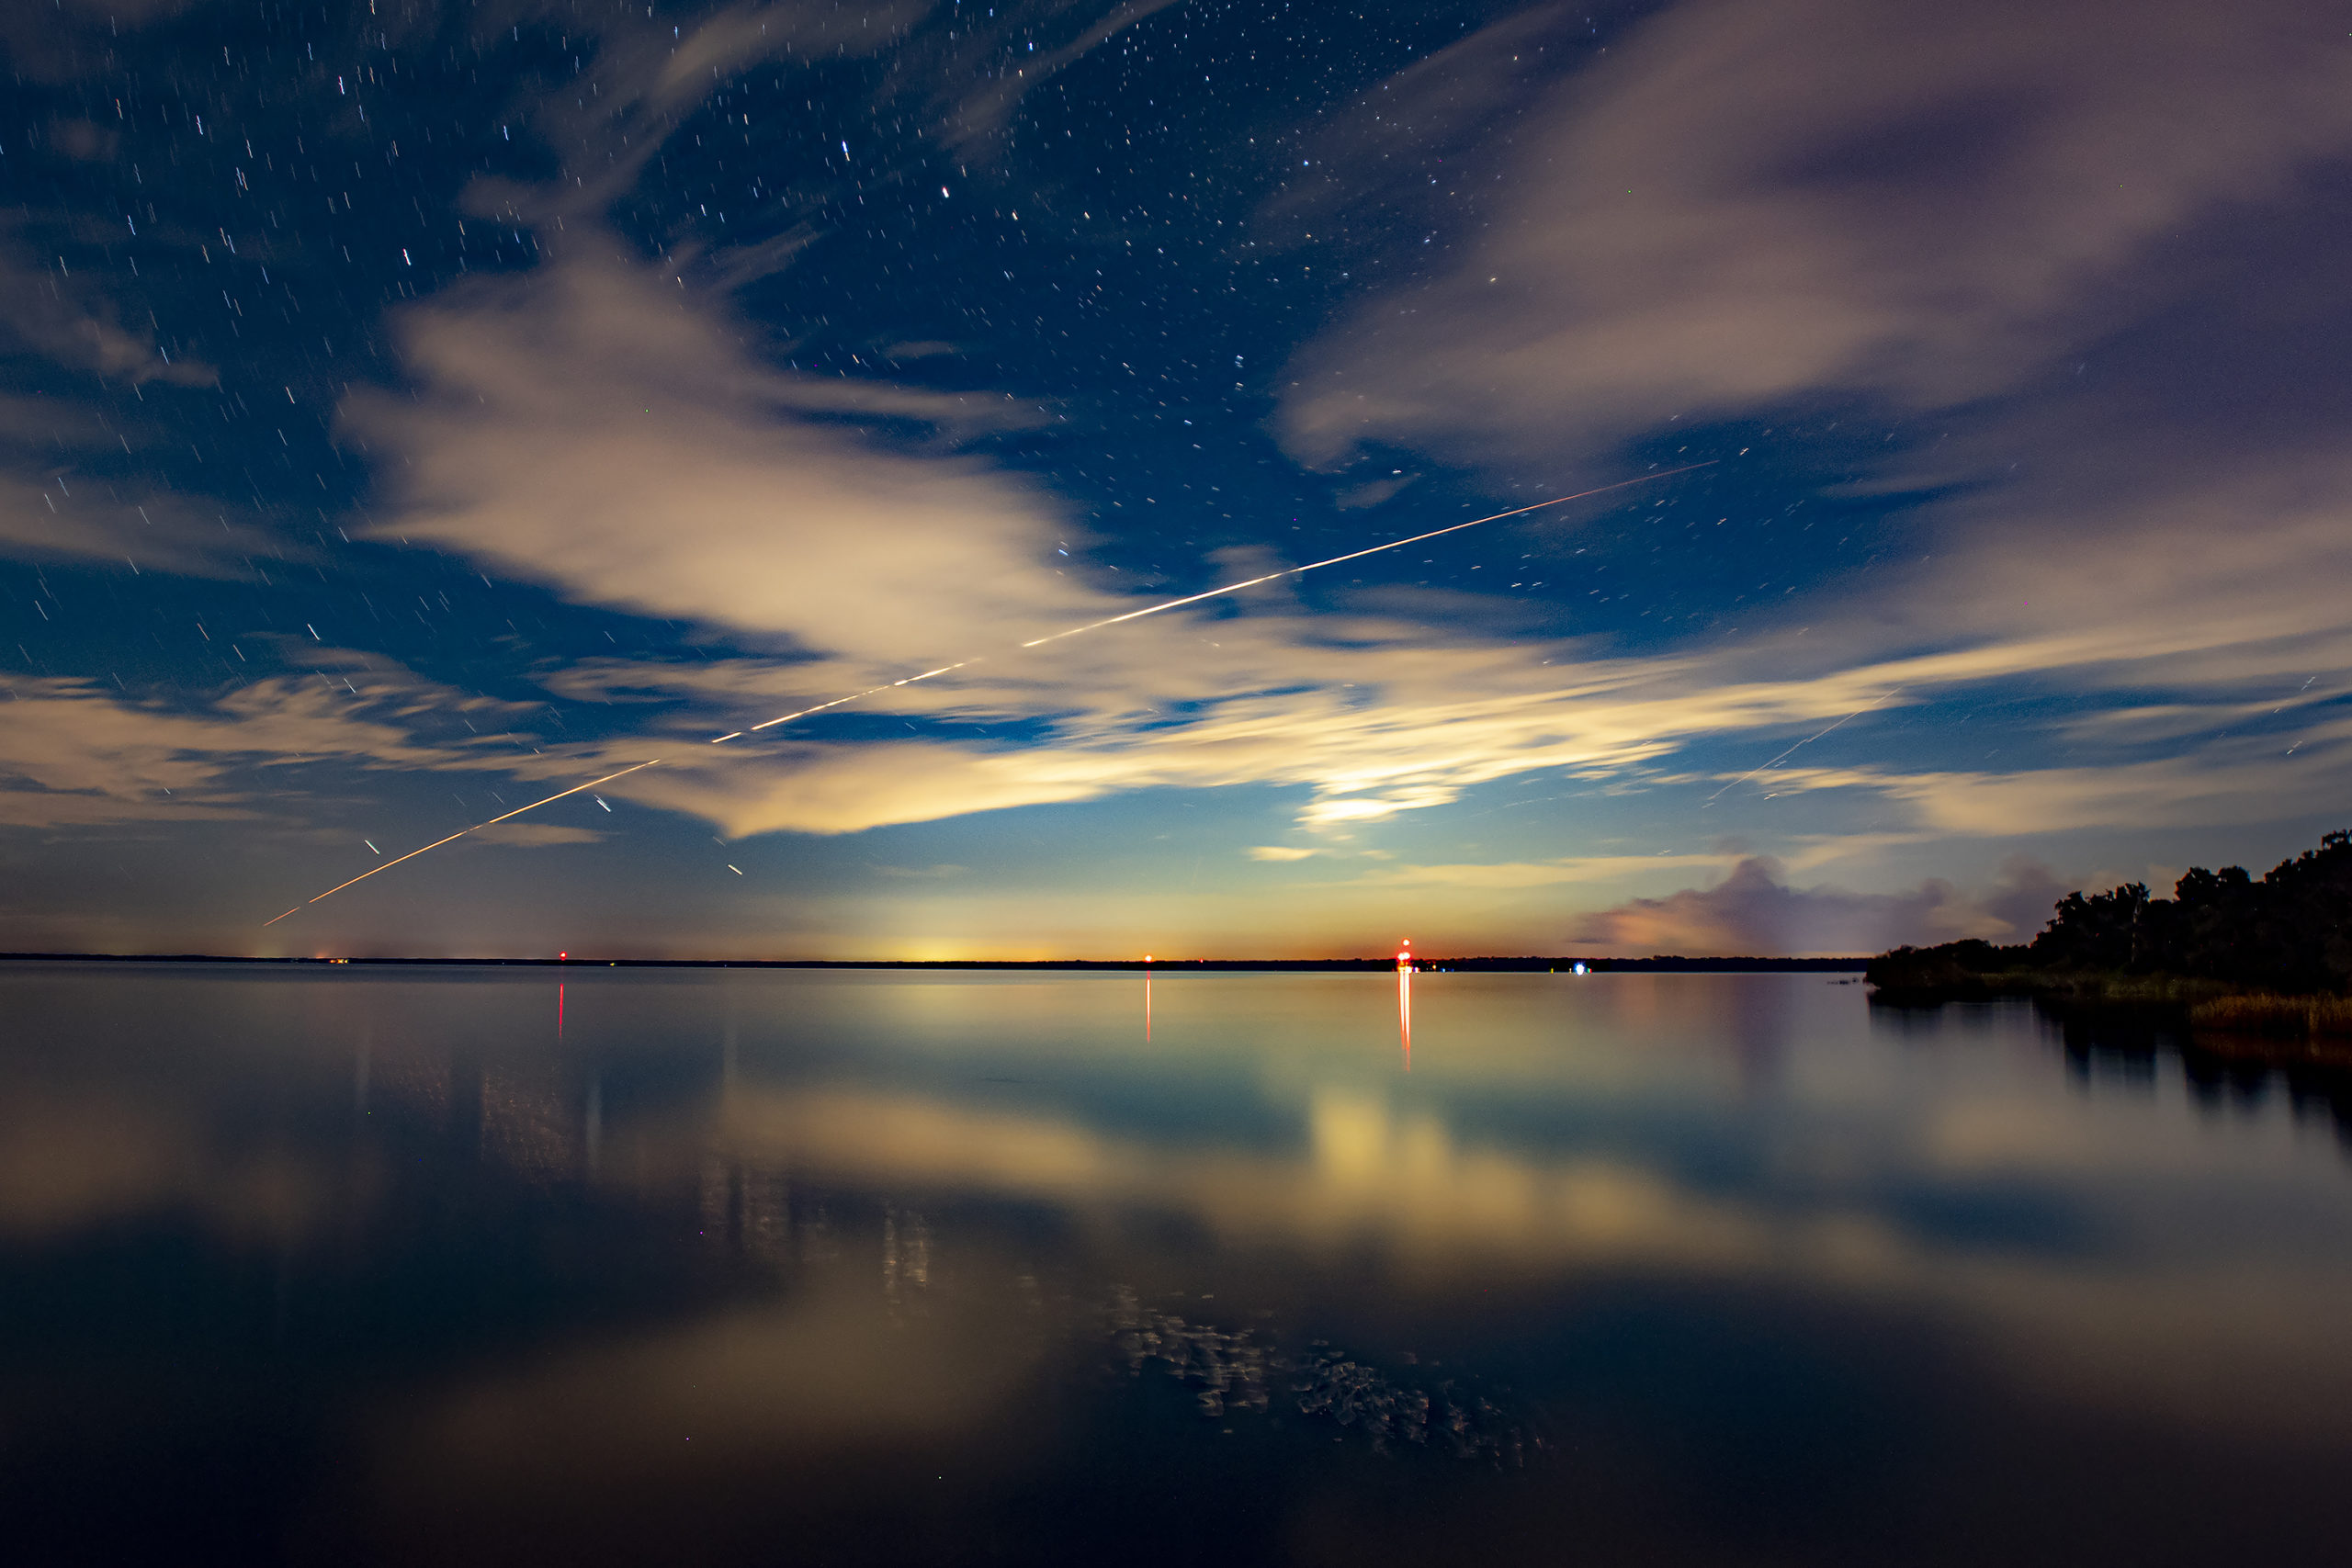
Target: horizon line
x=566, y=961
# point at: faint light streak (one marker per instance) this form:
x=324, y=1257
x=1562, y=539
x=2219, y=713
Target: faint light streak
x=1808, y=740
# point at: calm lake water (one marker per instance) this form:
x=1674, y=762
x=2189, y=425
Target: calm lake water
x=803, y=1267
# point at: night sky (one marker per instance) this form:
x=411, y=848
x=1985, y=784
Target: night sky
x=413, y=410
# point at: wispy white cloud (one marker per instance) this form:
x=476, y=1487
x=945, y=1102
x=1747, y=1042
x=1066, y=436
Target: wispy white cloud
x=66, y=517
x=67, y=320
x=73, y=754
x=981, y=112
x=1750, y=200
x=582, y=428
x=1562, y=873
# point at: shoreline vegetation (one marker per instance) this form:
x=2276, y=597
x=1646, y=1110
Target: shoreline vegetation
x=2247, y=965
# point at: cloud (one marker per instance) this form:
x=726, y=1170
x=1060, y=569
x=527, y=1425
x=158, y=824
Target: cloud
x=63, y=318
x=156, y=530
x=1278, y=852
x=57, y=453
x=643, y=77
x=984, y=111
x=2221, y=784
x=1533, y=874
x=1753, y=911
x=584, y=429
x=739, y=36
x=1751, y=202
x=536, y=835
x=596, y=427
x=60, y=42
x=1376, y=717
x=2104, y=259
x=2103, y=262
x=72, y=755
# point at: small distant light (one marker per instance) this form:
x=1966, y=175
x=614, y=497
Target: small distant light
x=1580, y=969
x=563, y=956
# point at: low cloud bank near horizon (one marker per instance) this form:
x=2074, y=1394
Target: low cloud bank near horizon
x=1755, y=912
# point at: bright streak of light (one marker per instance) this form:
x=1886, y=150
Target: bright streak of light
x=1352, y=554
x=1212, y=593
x=1040, y=642
x=461, y=833
x=887, y=685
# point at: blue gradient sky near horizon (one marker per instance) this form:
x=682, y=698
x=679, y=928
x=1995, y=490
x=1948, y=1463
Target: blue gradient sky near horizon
x=412, y=410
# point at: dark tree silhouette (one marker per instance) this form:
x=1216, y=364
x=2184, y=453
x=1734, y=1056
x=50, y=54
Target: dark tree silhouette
x=2291, y=931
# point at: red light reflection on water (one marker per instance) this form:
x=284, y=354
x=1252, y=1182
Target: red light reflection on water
x=1405, y=1001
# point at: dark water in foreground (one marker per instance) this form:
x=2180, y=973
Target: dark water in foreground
x=802, y=1268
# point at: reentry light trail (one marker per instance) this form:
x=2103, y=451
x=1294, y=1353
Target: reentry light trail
x=1034, y=642
x=461, y=833
x=1355, y=555
x=1212, y=593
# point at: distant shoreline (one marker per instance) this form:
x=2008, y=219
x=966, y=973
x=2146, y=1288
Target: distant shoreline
x=1668, y=964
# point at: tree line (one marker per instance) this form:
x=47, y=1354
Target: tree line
x=2290, y=931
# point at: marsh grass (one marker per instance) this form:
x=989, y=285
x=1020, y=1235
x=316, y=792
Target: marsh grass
x=2261, y=1012
x=2097, y=986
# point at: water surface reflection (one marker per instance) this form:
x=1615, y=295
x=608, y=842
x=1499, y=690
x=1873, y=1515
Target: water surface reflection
x=741, y=1265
